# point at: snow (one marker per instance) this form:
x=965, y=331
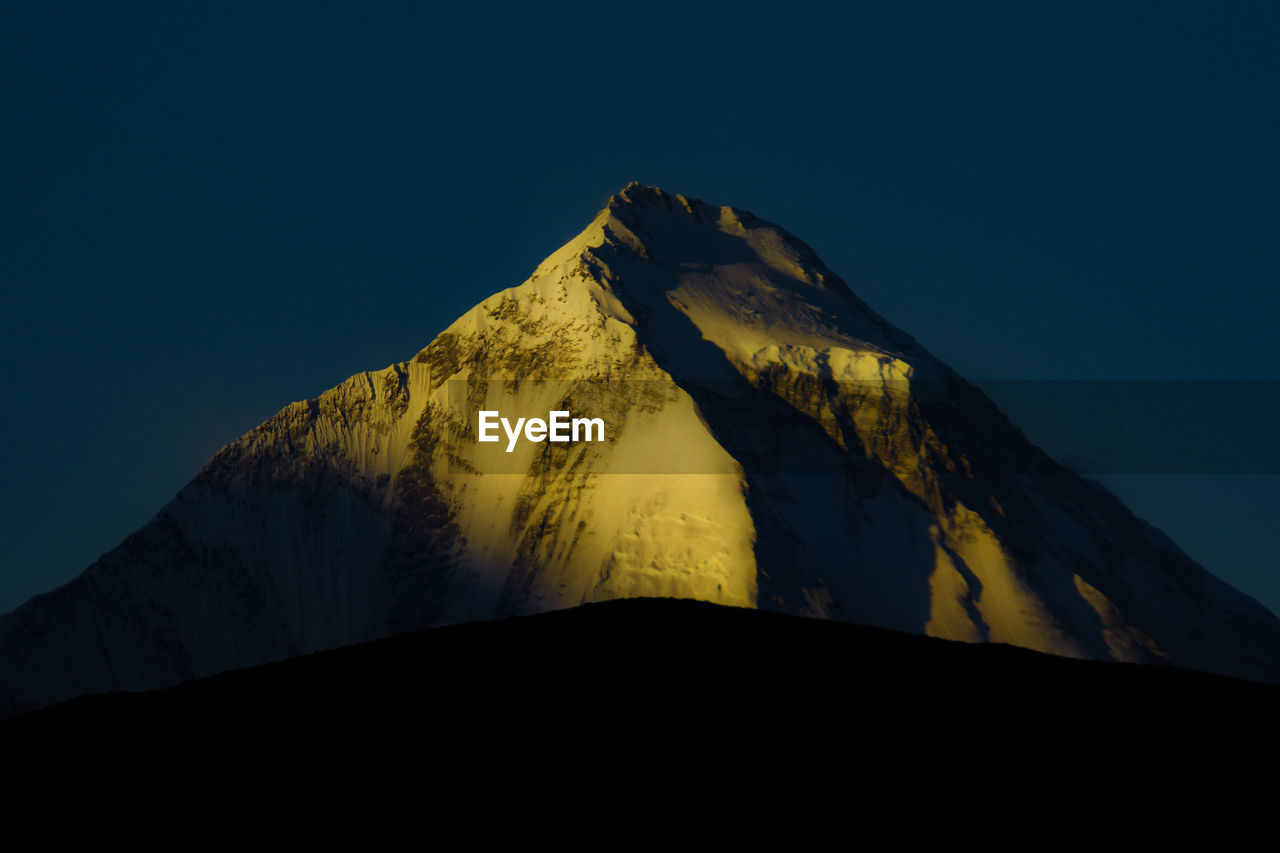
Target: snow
x=770, y=442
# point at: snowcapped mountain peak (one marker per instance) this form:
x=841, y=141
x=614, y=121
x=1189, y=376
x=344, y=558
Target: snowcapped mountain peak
x=636, y=193
x=638, y=204
x=637, y=201
x=676, y=229
x=771, y=442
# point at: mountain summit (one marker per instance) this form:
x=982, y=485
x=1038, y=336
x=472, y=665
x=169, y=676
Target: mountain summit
x=770, y=442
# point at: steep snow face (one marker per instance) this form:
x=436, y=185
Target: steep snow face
x=772, y=442
x=884, y=488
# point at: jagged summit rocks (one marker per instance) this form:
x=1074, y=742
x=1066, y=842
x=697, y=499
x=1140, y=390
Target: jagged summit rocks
x=773, y=443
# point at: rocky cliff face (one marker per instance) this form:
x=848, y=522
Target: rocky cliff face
x=771, y=442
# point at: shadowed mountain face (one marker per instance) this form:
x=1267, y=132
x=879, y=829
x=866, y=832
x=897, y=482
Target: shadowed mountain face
x=771, y=442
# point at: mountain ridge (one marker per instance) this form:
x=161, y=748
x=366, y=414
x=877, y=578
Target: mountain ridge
x=813, y=459
x=644, y=655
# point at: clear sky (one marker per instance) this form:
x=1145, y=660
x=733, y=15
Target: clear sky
x=210, y=211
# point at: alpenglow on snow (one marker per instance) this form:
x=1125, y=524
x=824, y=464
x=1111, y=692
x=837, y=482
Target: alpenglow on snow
x=771, y=442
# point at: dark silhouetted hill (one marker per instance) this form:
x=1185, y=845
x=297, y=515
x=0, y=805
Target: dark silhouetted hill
x=667, y=677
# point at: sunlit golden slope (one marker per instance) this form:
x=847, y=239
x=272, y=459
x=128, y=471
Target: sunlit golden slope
x=771, y=442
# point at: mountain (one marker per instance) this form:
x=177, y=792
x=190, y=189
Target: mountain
x=770, y=442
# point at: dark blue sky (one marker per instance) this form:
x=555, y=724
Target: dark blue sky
x=208, y=213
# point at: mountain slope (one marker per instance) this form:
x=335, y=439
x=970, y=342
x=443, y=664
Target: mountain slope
x=713, y=678
x=771, y=442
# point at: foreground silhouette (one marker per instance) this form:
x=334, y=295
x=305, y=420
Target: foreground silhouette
x=662, y=676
